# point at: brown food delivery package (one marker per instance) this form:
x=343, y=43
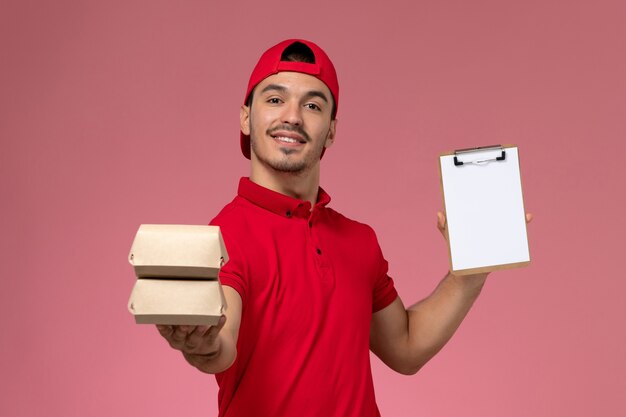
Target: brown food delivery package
x=177, y=268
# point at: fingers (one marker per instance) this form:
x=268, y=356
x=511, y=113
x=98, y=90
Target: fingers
x=193, y=340
x=441, y=221
x=175, y=335
x=180, y=333
x=204, y=340
x=199, y=331
x=213, y=331
x=165, y=331
x=199, y=340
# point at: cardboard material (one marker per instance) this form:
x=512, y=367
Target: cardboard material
x=178, y=251
x=167, y=301
x=177, y=267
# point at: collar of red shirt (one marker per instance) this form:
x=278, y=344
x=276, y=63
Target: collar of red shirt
x=279, y=203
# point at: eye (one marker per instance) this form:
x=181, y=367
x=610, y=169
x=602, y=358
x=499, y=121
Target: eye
x=313, y=106
x=273, y=100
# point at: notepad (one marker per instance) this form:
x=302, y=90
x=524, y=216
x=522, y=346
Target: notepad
x=484, y=206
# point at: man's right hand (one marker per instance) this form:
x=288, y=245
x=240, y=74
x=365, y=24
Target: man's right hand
x=211, y=349
x=195, y=342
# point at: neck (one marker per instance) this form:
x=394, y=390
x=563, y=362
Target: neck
x=300, y=185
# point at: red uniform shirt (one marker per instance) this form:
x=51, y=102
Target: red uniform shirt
x=309, y=279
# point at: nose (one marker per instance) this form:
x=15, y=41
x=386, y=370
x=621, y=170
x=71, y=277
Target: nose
x=292, y=114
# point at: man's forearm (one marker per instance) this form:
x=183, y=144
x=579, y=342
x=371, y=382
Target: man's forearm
x=433, y=321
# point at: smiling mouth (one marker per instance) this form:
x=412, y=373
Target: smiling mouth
x=285, y=139
x=289, y=135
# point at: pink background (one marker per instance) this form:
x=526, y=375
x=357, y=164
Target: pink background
x=116, y=113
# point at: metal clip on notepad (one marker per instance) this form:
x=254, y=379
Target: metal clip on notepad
x=460, y=152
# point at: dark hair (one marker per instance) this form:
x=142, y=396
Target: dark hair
x=296, y=52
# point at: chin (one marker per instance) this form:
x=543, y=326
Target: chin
x=287, y=160
x=289, y=166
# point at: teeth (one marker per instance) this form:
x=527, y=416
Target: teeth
x=285, y=139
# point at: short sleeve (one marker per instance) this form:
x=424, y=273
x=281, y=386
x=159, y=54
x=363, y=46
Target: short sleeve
x=384, y=291
x=232, y=273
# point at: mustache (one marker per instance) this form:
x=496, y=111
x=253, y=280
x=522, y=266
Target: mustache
x=290, y=128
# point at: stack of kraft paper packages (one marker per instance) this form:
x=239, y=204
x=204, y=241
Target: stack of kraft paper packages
x=177, y=268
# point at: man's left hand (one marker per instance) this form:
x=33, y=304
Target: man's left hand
x=442, y=223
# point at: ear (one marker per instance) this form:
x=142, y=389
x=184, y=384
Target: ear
x=330, y=137
x=244, y=120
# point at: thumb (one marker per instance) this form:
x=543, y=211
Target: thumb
x=441, y=221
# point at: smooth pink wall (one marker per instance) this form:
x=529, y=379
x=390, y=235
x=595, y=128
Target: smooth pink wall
x=117, y=113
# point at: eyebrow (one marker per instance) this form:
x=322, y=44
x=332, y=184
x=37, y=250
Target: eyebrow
x=283, y=89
